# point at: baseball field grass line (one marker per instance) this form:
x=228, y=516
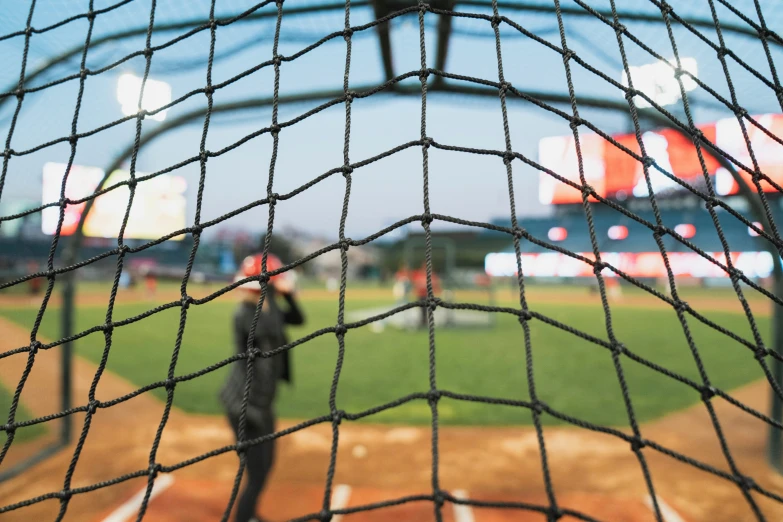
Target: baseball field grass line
x=572, y=375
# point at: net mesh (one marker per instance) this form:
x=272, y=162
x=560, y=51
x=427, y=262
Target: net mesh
x=619, y=353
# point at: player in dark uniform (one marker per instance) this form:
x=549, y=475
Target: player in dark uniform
x=269, y=334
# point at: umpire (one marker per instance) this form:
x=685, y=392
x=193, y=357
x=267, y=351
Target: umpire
x=269, y=334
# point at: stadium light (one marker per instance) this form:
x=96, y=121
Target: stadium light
x=686, y=230
x=657, y=80
x=618, y=232
x=156, y=94
x=557, y=234
x=753, y=233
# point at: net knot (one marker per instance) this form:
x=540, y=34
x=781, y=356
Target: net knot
x=496, y=20
x=278, y=59
x=681, y=306
x=196, y=229
x=518, y=233
x=83, y=73
x=154, y=469
x=35, y=346
x=148, y=52
x=275, y=129
x=598, y=267
x=648, y=161
x=28, y=31
x=65, y=494
x=575, y=123
x=555, y=513
x=426, y=142
x=508, y=157
x=637, y=445
x=108, y=327
x=186, y=301
x=253, y=354
x=537, y=407
x=524, y=315
x=19, y=93
x=91, y=15
x=630, y=93
x=424, y=74
x=505, y=86
x=708, y=392
x=722, y=51
x=338, y=416
x=568, y=54
x=7, y=153
x=345, y=244
x=72, y=139
x=203, y=156
x=439, y=498
x=325, y=516
x=434, y=396
x=666, y=8
x=340, y=330
x=349, y=96
x=426, y=219
x=618, y=348
x=741, y=112
x=279, y=2
x=348, y=33
x=93, y=406
x=619, y=28
x=588, y=190
x=761, y=353
x=212, y=24
x=8, y=428
x=747, y=483
x=169, y=384
x=347, y=170
x=660, y=231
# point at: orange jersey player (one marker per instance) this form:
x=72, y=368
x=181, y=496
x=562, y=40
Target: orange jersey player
x=419, y=281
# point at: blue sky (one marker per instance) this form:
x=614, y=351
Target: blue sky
x=468, y=186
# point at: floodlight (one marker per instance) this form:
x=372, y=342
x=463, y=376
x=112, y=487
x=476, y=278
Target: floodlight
x=658, y=81
x=156, y=95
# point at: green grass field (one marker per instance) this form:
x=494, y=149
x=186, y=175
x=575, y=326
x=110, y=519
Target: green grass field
x=23, y=434
x=572, y=375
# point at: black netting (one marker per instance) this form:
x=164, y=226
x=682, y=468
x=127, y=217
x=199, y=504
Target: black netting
x=620, y=353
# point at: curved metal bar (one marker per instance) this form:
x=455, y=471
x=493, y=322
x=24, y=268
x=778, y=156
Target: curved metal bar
x=505, y=5
x=166, y=27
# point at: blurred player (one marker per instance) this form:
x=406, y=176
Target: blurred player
x=268, y=335
x=613, y=288
x=419, y=281
x=402, y=285
x=36, y=282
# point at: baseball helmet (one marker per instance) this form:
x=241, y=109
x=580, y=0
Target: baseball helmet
x=251, y=266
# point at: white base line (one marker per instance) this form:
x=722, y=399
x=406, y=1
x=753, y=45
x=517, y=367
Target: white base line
x=131, y=507
x=462, y=512
x=668, y=514
x=340, y=497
